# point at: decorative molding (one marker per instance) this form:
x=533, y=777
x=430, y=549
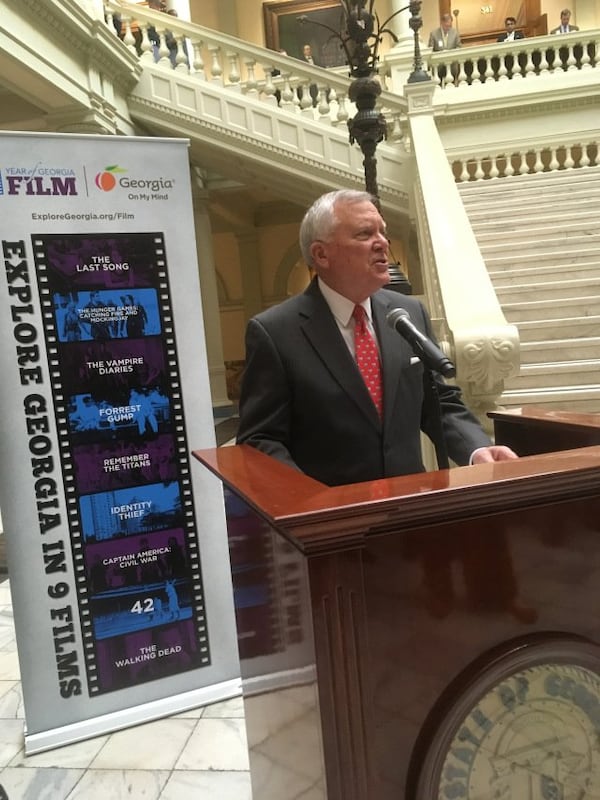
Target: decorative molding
x=485, y=357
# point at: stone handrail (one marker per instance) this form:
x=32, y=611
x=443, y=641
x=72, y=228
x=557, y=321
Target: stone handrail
x=475, y=334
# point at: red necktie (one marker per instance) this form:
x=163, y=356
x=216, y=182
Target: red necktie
x=367, y=357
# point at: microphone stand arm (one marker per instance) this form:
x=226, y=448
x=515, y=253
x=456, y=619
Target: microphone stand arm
x=432, y=398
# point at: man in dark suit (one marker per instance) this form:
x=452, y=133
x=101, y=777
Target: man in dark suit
x=511, y=34
x=304, y=400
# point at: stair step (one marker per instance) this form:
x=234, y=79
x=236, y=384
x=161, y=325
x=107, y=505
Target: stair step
x=547, y=273
x=561, y=310
x=552, y=329
x=549, y=245
x=511, y=234
x=562, y=373
x=580, y=398
x=551, y=290
x=530, y=204
x=518, y=260
x=559, y=350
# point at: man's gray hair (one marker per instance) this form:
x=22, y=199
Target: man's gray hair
x=320, y=219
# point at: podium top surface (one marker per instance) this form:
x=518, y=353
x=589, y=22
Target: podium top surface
x=536, y=414
x=314, y=516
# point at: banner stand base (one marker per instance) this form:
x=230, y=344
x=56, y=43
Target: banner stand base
x=137, y=715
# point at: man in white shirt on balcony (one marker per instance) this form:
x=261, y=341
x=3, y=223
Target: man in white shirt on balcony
x=511, y=34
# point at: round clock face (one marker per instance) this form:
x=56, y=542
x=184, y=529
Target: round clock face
x=522, y=732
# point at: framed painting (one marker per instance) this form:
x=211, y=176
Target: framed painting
x=283, y=31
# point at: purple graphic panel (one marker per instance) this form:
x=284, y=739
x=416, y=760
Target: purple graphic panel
x=117, y=464
x=150, y=654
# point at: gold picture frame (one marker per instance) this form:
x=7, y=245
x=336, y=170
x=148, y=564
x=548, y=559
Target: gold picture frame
x=284, y=32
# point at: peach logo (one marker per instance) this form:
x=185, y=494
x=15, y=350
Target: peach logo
x=106, y=180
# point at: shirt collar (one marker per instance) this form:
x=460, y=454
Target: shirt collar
x=340, y=306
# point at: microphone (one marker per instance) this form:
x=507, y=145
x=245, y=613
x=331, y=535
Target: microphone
x=429, y=353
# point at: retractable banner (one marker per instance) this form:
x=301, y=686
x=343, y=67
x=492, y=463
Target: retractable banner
x=117, y=552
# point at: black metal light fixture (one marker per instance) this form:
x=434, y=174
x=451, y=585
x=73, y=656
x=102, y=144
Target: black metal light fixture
x=360, y=36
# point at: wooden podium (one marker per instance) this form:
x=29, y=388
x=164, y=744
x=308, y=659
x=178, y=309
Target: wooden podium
x=385, y=601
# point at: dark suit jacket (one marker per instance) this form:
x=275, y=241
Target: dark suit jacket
x=304, y=402
x=502, y=37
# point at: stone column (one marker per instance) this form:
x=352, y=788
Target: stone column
x=400, y=25
x=247, y=241
x=210, y=298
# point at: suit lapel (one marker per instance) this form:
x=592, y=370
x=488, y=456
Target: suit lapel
x=321, y=330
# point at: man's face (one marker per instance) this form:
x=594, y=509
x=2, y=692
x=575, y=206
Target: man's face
x=564, y=19
x=446, y=25
x=354, y=258
x=510, y=25
x=307, y=51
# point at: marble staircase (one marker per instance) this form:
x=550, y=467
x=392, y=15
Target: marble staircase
x=540, y=238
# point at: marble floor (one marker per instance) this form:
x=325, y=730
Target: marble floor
x=200, y=754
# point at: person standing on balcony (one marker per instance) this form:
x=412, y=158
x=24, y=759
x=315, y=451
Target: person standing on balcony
x=565, y=23
x=511, y=34
x=307, y=55
x=445, y=37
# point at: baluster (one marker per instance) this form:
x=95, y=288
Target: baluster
x=343, y=114
x=569, y=162
x=323, y=106
x=584, y=161
x=479, y=171
x=494, y=171
x=571, y=60
x=517, y=67
x=146, y=45
x=585, y=57
x=198, y=62
x=539, y=164
x=306, y=99
x=129, y=38
x=462, y=75
x=251, y=82
x=181, y=57
x=544, y=67
x=464, y=175
x=110, y=20
x=289, y=99
x=554, y=164
x=234, y=71
x=163, y=50
x=509, y=170
x=523, y=166
x=502, y=70
x=449, y=78
x=395, y=134
x=269, y=87
x=530, y=66
x=489, y=71
x=216, y=71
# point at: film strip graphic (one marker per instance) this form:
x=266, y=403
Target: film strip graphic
x=115, y=378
